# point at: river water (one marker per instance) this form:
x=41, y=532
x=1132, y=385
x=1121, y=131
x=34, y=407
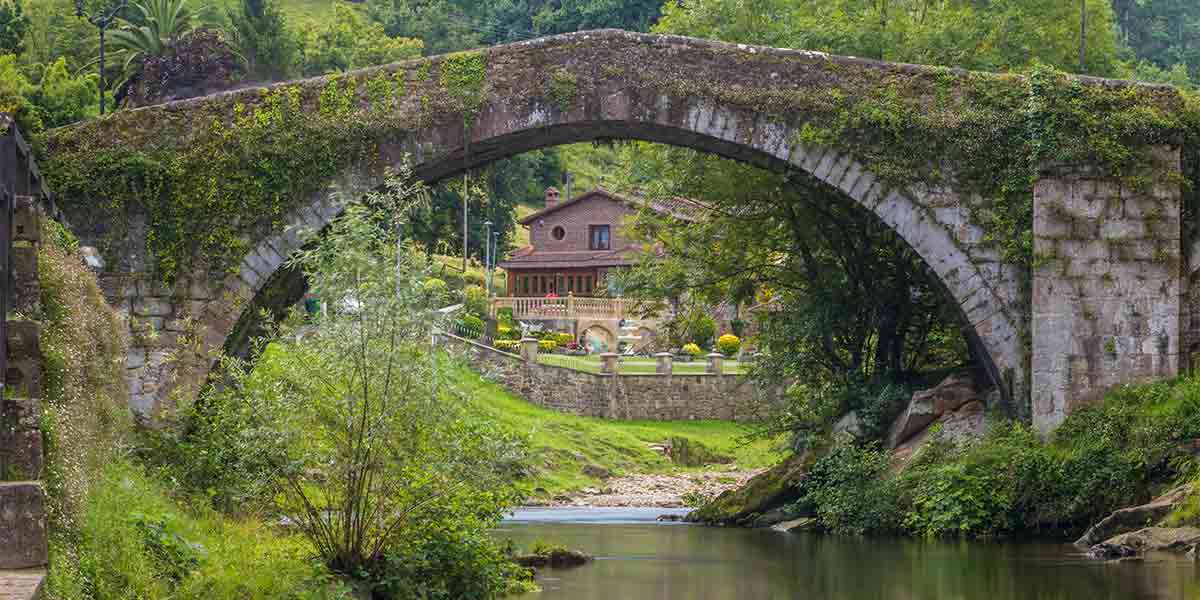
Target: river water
x=639, y=559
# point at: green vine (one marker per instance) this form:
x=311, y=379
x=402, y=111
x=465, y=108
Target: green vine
x=562, y=88
x=464, y=76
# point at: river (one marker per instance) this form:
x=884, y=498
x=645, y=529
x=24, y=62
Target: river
x=639, y=559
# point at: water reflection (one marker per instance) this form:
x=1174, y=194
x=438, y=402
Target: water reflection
x=646, y=561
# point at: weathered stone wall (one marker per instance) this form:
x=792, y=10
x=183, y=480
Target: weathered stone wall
x=626, y=397
x=1106, y=286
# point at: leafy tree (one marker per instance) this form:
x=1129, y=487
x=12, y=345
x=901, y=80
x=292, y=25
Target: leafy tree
x=259, y=31
x=372, y=446
x=349, y=41
x=994, y=36
x=440, y=24
x=1165, y=33
x=13, y=25
x=54, y=32
x=61, y=98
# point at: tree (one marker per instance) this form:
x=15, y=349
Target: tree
x=259, y=31
x=371, y=444
x=1164, y=33
x=151, y=31
x=349, y=41
x=13, y=25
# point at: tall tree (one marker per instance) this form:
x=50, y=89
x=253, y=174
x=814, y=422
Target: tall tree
x=259, y=31
x=13, y=25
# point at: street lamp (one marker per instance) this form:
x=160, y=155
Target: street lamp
x=495, y=256
x=487, y=256
x=102, y=21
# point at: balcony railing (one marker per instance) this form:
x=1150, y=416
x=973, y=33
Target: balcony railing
x=568, y=307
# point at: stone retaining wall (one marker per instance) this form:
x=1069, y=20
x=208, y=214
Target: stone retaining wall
x=627, y=397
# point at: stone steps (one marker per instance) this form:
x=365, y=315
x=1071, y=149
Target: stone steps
x=24, y=584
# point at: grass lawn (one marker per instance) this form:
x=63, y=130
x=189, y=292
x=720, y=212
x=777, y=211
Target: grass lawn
x=636, y=365
x=562, y=445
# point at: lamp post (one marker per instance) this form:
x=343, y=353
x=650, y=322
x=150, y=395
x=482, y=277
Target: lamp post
x=495, y=257
x=487, y=257
x=102, y=22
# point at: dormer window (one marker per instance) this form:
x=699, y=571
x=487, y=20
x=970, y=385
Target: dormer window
x=598, y=237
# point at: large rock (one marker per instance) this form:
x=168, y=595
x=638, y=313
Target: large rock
x=771, y=489
x=687, y=452
x=22, y=525
x=1149, y=539
x=927, y=405
x=966, y=423
x=1134, y=517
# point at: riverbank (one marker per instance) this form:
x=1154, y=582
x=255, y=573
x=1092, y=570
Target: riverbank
x=998, y=480
x=573, y=458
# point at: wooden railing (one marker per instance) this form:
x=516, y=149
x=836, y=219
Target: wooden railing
x=568, y=307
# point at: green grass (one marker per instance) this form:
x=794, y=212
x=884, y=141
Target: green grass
x=114, y=555
x=562, y=445
x=636, y=365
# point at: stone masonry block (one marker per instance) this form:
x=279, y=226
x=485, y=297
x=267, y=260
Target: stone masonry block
x=24, y=340
x=152, y=307
x=22, y=525
x=26, y=226
x=22, y=455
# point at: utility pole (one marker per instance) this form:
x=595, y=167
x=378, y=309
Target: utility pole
x=495, y=258
x=1082, y=36
x=102, y=22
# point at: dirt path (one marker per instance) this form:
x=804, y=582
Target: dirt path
x=664, y=491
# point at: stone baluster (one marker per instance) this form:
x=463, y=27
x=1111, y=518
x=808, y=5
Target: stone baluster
x=716, y=364
x=663, y=363
x=609, y=362
x=529, y=349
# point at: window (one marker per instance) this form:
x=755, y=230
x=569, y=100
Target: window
x=525, y=284
x=598, y=237
x=558, y=232
x=570, y=283
x=588, y=281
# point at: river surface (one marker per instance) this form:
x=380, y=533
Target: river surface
x=639, y=559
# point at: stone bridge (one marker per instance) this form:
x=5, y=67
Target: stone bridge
x=1103, y=301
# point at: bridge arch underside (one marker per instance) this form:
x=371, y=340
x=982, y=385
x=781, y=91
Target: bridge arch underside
x=935, y=224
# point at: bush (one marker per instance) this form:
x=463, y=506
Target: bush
x=475, y=300
x=693, y=350
x=447, y=561
x=563, y=338
x=435, y=291
x=729, y=345
x=472, y=326
x=547, y=345
x=507, y=332
x=848, y=490
x=508, y=345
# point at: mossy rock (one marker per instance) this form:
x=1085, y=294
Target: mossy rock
x=687, y=452
x=768, y=490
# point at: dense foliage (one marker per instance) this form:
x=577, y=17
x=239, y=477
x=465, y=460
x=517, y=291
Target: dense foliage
x=1105, y=457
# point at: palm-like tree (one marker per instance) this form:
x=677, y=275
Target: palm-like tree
x=162, y=24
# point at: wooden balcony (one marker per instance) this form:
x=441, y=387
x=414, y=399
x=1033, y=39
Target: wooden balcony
x=567, y=307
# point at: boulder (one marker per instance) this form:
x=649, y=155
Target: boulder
x=768, y=490
x=596, y=471
x=927, y=405
x=1149, y=539
x=849, y=423
x=798, y=525
x=1134, y=517
x=968, y=422
x=556, y=558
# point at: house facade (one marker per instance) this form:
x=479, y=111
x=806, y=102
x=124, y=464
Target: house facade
x=562, y=278
x=573, y=245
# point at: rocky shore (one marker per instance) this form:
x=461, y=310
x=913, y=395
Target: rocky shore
x=663, y=491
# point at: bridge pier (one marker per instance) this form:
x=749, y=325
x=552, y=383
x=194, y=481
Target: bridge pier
x=1106, y=302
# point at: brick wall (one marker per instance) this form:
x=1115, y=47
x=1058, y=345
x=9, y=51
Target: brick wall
x=597, y=209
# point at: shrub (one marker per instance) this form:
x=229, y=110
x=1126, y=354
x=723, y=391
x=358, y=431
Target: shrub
x=547, y=345
x=472, y=326
x=507, y=332
x=508, y=345
x=729, y=344
x=448, y=561
x=849, y=493
x=701, y=328
x=693, y=350
x=475, y=300
x=435, y=291
x=563, y=338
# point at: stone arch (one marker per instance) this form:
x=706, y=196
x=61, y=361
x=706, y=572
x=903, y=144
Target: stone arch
x=524, y=108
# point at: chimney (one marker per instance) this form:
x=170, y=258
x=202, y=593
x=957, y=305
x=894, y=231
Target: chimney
x=551, y=196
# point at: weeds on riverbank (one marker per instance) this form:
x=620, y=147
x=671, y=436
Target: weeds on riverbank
x=1120, y=452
